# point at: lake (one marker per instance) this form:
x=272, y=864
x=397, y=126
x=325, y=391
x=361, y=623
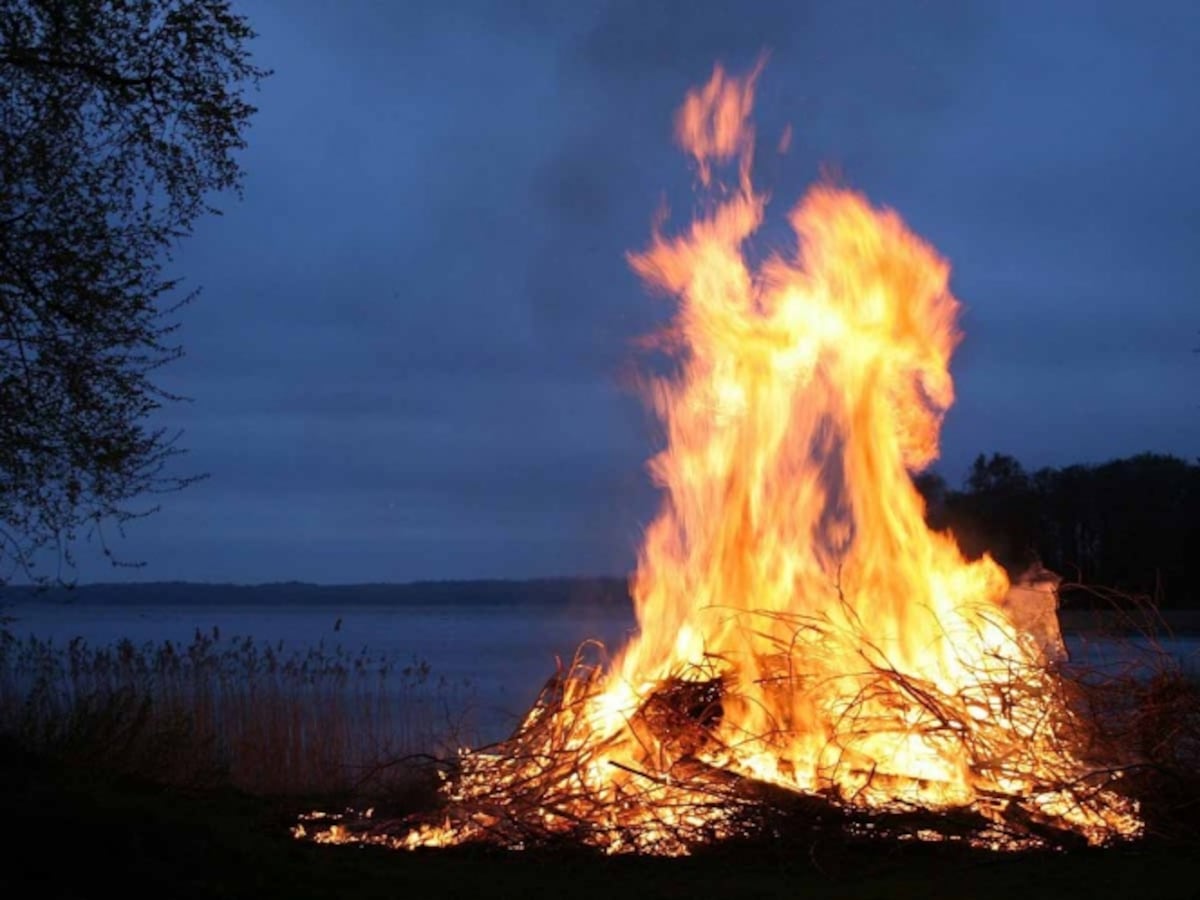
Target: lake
x=501, y=654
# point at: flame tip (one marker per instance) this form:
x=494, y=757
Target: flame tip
x=799, y=625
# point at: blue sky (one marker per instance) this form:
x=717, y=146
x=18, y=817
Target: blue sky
x=408, y=358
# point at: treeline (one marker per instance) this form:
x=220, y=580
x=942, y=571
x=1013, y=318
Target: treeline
x=1132, y=525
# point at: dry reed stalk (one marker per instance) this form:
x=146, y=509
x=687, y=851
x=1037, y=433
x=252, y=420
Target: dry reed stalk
x=272, y=722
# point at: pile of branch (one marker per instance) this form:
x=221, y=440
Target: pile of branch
x=554, y=783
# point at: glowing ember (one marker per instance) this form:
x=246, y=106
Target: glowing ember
x=804, y=637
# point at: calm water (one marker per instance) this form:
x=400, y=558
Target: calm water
x=504, y=653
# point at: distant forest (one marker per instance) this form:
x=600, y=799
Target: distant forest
x=1132, y=525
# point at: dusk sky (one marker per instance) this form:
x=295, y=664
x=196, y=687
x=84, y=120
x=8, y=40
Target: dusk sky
x=408, y=358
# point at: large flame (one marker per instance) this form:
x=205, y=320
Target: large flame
x=808, y=392
x=799, y=625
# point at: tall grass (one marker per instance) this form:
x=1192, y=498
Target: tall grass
x=269, y=721
x=1137, y=686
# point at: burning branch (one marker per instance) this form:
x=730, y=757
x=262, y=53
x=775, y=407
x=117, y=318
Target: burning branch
x=810, y=654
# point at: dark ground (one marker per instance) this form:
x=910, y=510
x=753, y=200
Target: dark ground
x=73, y=833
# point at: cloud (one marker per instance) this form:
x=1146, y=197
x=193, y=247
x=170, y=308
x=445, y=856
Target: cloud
x=408, y=358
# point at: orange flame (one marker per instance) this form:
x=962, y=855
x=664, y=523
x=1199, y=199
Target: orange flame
x=831, y=642
x=791, y=558
x=809, y=391
x=712, y=123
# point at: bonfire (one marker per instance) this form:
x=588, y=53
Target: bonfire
x=809, y=654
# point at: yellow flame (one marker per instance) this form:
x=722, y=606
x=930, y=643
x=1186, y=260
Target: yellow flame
x=810, y=388
x=857, y=653
x=791, y=548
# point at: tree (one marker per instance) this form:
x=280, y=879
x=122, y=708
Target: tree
x=996, y=512
x=119, y=119
x=934, y=491
x=999, y=474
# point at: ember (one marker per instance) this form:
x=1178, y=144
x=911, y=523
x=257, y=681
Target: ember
x=809, y=653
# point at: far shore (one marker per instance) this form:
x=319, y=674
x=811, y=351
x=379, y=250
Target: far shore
x=1131, y=622
x=580, y=593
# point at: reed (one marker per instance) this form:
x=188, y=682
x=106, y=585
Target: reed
x=263, y=718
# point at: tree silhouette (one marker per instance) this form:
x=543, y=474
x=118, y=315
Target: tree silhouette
x=117, y=121
x=1129, y=524
x=998, y=512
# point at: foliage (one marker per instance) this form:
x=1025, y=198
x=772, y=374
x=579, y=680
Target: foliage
x=1131, y=525
x=118, y=120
